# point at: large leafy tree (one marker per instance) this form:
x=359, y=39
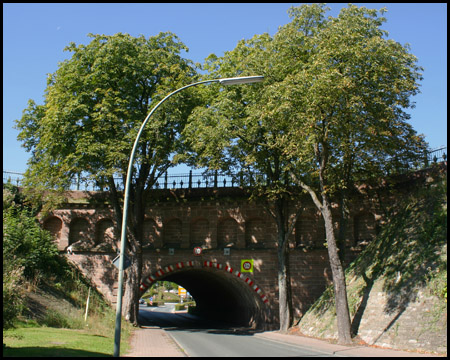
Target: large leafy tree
x=331, y=113
x=349, y=123
x=94, y=105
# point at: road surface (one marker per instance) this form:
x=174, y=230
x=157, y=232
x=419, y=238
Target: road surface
x=204, y=338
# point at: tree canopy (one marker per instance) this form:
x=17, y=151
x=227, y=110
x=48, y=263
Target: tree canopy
x=334, y=81
x=95, y=103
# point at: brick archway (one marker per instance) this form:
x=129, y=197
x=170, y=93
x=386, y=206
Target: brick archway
x=220, y=292
x=149, y=280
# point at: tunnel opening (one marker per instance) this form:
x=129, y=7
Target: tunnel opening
x=221, y=296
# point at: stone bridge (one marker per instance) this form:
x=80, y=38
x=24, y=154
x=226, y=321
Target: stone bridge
x=229, y=228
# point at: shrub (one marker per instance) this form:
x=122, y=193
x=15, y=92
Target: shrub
x=24, y=238
x=13, y=299
x=28, y=253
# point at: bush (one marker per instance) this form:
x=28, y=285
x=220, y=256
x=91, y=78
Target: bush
x=180, y=307
x=24, y=238
x=189, y=304
x=28, y=253
x=13, y=299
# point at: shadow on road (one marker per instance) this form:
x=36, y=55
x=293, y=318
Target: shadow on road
x=182, y=321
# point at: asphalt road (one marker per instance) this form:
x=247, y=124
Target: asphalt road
x=204, y=338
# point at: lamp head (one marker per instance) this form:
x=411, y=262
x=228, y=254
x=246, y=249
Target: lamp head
x=241, y=80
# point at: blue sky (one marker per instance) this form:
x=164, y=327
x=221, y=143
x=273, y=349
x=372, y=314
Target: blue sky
x=34, y=36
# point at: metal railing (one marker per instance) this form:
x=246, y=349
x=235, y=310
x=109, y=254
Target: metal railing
x=14, y=178
x=436, y=155
x=203, y=180
x=189, y=181
x=178, y=181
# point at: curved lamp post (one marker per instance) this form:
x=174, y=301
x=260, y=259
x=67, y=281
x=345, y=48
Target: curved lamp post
x=227, y=81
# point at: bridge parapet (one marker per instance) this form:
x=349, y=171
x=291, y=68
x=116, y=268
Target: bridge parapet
x=207, y=218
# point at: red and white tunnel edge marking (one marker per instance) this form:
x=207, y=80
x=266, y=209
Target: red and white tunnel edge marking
x=160, y=272
x=180, y=265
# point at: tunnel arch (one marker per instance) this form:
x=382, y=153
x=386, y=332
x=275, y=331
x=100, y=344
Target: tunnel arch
x=221, y=292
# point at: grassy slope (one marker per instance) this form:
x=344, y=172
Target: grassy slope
x=397, y=288
x=54, y=324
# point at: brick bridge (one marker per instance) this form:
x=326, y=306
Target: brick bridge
x=229, y=228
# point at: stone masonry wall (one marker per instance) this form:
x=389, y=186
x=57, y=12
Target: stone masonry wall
x=176, y=222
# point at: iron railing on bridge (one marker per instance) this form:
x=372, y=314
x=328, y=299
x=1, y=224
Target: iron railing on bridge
x=178, y=181
x=208, y=180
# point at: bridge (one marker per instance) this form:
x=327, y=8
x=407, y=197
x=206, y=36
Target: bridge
x=229, y=229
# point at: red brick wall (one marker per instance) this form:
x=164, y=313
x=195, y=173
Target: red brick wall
x=213, y=222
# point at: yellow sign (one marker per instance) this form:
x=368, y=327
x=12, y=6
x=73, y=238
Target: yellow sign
x=247, y=265
x=181, y=291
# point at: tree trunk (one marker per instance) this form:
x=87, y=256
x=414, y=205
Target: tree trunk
x=132, y=275
x=283, y=286
x=343, y=223
x=284, y=279
x=131, y=295
x=340, y=291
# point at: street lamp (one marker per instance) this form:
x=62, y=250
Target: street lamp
x=226, y=81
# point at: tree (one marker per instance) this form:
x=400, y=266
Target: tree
x=94, y=105
x=332, y=109
x=347, y=102
x=226, y=135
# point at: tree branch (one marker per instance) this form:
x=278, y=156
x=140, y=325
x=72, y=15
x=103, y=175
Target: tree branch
x=308, y=189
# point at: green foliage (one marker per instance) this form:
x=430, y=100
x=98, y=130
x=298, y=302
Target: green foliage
x=31, y=256
x=188, y=304
x=179, y=307
x=57, y=320
x=26, y=242
x=13, y=294
x=333, y=102
x=29, y=253
x=94, y=105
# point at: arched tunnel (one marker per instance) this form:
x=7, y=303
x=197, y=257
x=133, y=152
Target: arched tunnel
x=221, y=296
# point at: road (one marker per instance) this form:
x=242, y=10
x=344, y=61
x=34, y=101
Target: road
x=203, y=338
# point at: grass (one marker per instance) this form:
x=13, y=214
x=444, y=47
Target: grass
x=52, y=342
x=96, y=339
x=53, y=324
x=45, y=299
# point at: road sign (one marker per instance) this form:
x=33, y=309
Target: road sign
x=247, y=265
x=197, y=251
x=181, y=291
x=126, y=262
